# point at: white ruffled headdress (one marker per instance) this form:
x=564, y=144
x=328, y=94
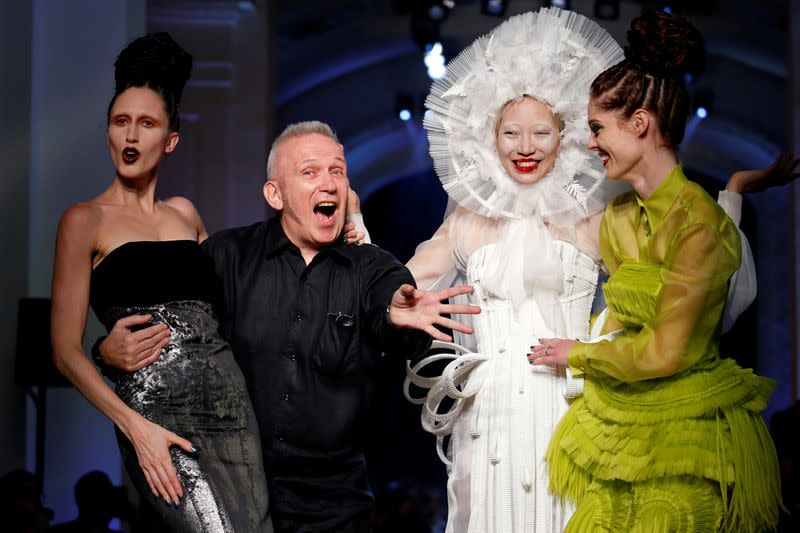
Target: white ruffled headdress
x=553, y=56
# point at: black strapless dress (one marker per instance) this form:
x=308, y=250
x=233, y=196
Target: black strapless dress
x=194, y=389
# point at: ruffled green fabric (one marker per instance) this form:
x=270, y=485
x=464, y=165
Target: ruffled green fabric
x=669, y=505
x=632, y=292
x=702, y=424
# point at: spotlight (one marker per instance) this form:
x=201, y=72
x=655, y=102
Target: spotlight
x=703, y=102
x=434, y=61
x=495, y=8
x=667, y=9
x=561, y=4
x=403, y=106
x=437, y=10
x=606, y=9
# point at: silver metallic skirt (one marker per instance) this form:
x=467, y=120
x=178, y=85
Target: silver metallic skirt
x=196, y=390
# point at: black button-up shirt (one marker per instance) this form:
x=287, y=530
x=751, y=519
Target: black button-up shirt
x=307, y=339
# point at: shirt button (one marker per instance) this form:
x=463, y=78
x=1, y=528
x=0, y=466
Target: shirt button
x=299, y=318
x=292, y=357
x=286, y=397
x=281, y=438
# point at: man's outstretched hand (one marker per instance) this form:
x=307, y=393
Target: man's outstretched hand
x=416, y=309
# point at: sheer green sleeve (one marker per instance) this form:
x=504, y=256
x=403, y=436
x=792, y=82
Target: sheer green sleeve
x=697, y=266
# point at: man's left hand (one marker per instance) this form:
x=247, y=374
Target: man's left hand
x=416, y=309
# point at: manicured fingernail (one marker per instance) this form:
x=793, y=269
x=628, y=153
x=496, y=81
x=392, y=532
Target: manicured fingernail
x=177, y=504
x=155, y=495
x=195, y=448
x=166, y=502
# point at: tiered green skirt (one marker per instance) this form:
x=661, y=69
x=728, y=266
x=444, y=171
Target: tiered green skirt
x=686, y=453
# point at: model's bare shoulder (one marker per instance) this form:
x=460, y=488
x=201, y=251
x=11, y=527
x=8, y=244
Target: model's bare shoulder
x=182, y=204
x=186, y=209
x=84, y=218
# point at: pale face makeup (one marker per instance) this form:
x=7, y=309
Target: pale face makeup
x=528, y=139
x=138, y=133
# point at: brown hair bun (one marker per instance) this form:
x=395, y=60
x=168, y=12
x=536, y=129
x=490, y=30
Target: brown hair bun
x=663, y=43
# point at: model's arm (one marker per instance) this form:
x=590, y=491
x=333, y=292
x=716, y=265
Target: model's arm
x=75, y=244
x=695, y=274
x=355, y=231
x=782, y=171
x=743, y=286
x=433, y=265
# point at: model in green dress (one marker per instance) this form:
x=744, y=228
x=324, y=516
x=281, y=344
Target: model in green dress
x=668, y=436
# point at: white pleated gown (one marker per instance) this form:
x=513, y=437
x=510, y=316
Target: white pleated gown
x=498, y=479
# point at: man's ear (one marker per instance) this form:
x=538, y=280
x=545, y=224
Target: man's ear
x=172, y=141
x=640, y=122
x=272, y=194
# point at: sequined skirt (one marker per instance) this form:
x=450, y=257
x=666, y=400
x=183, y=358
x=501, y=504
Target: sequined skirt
x=196, y=390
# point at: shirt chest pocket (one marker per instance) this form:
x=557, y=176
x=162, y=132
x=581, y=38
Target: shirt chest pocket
x=337, y=352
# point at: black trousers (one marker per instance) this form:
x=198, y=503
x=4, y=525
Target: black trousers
x=358, y=524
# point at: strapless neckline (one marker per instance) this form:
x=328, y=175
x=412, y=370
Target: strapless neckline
x=146, y=273
x=130, y=244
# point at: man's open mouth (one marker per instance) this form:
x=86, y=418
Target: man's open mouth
x=130, y=155
x=325, y=212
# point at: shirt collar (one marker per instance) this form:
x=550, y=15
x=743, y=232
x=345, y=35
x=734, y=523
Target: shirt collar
x=659, y=203
x=277, y=242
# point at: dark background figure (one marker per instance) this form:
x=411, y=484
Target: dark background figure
x=409, y=508
x=783, y=427
x=98, y=502
x=21, y=509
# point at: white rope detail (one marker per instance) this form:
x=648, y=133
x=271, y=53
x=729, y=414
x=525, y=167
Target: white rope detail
x=449, y=385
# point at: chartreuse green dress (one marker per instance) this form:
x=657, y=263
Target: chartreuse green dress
x=667, y=436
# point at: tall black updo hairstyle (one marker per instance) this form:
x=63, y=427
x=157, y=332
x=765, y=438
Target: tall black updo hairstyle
x=661, y=50
x=156, y=62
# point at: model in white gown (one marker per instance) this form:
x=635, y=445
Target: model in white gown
x=508, y=409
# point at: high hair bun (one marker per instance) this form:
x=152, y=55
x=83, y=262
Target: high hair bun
x=155, y=61
x=664, y=43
